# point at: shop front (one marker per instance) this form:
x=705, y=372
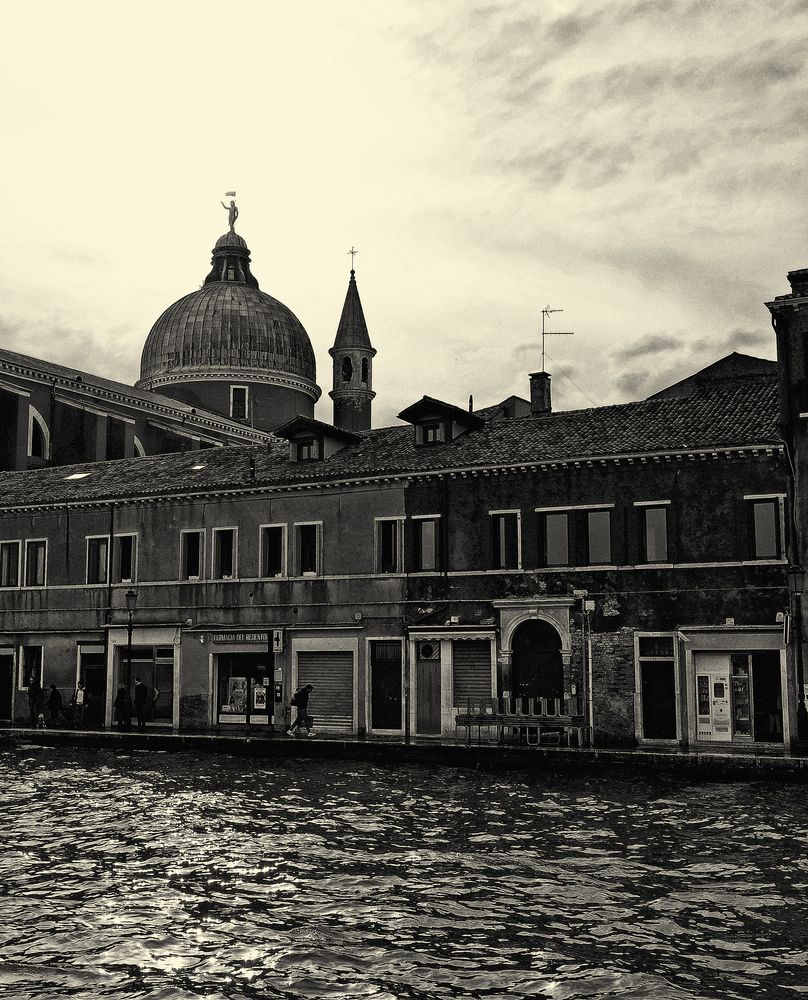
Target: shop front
x=736, y=686
x=154, y=658
x=246, y=681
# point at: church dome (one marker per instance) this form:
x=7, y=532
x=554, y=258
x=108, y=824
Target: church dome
x=229, y=329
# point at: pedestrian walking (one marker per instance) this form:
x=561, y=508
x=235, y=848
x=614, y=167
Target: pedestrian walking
x=141, y=702
x=78, y=703
x=34, y=699
x=123, y=708
x=54, y=704
x=300, y=701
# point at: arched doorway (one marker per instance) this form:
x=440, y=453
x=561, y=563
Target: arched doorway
x=537, y=670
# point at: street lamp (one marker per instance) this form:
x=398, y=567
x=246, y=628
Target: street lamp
x=796, y=581
x=131, y=603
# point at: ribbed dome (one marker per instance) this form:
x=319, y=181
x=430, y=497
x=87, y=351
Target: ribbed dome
x=228, y=325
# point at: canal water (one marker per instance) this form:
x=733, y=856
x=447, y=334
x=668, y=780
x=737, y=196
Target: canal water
x=173, y=876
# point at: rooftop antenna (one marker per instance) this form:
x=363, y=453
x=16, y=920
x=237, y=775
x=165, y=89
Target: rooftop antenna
x=550, y=333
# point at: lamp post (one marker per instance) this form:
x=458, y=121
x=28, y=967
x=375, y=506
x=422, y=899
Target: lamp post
x=131, y=603
x=796, y=580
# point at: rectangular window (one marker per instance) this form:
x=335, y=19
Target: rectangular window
x=427, y=536
x=599, y=545
x=654, y=524
x=273, y=550
x=556, y=539
x=192, y=555
x=30, y=665
x=224, y=553
x=432, y=432
x=388, y=537
x=9, y=564
x=35, y=560
x=238, y=402
x=308, y=451
x=505, y=540
x=765, y=529
x=97, y=560
x=124, y=552
x=308, y=549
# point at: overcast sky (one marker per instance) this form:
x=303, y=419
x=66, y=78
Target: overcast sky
x=640, y=164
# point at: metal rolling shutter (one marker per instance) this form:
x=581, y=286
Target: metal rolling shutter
x=471, y=670
x=332, y=699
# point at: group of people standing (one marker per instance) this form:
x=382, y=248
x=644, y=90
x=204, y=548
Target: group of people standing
x=48, y=708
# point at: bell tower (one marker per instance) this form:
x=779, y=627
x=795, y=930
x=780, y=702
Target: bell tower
x=353, y=365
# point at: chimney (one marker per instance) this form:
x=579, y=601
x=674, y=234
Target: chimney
x=540, y=404
x=798, y=281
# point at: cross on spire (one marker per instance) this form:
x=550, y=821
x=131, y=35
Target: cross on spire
x=353, y=253
x=550, y=333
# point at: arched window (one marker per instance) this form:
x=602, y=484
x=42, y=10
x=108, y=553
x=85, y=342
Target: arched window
x=140, y=451
x=38, y=436
x=537, y=670
x=347, y=369
x=365, y=371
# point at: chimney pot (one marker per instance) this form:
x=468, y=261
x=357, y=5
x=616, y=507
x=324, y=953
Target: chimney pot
x=540, y=401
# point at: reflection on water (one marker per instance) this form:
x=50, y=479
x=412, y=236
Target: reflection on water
x=173, y=876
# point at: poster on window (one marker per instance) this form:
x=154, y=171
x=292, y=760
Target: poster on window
x=260, y=698
x=236, y=696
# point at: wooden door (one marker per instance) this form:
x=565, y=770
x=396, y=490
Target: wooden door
x=427, y=692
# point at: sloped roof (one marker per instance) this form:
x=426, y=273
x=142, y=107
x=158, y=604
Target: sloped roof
x=733, y=366
x=724, y=415
x=76, y=379
x=352, y=330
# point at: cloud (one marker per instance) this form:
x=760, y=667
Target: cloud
x=651, y=344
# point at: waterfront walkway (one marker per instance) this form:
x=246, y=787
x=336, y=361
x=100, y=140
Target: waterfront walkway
x=695, y=764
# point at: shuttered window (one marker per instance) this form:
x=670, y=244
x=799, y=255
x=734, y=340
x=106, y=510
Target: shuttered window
x=471, y=670
x=331, y=674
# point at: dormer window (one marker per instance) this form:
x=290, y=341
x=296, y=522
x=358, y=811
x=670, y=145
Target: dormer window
x=435, y=421
x=431, y=432
x=308, y=451
x=347, y=369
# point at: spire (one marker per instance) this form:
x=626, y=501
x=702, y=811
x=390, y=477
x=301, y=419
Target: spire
x=352, y=330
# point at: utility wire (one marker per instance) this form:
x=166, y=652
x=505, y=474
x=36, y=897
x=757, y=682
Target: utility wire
x=571, y=379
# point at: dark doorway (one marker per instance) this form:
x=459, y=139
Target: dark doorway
x=93, y=674
x=537, y=670
x=768, y=700
x=658, y=700
x=385, y=685
x=427, y=685
x=6, y=685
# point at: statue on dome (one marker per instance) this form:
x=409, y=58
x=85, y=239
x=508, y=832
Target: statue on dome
x=232, y=211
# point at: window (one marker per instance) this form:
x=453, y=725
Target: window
x=388, y=544
x=505, y=540
x=656, y=666
x=38, y=437
x=192, y=555
x=347, y=369
x=35, y=560
x=124, y=550
x=765, y=533
x=427, y=535
x=9, y=564
x=238, y=402
x=97, y=559
x=654, y=534
x=224, y=553
x=556, y=539
x=273, y=550
x=431, y=432
x=308, y=451
x=30, y=665
x=365, y=371
x=308, y=549
x=599, y=546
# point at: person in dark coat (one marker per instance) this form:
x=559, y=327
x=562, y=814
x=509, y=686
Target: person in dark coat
x=54, y=704
x=300, y=700
x=123, y=708
x=141, y=702
x=34, y=699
